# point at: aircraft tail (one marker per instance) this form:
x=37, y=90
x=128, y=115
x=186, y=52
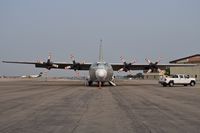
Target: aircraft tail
x=100, y=52
x=40, y=74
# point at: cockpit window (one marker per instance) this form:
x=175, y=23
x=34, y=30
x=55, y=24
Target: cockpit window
x=98, y=63
x=102, y=65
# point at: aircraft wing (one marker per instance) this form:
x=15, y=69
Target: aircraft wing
x=19, y=62
x=54, y=65
x=118, y=66
x=86, y=66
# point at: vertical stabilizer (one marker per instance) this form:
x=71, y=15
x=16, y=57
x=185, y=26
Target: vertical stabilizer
x=100, y=52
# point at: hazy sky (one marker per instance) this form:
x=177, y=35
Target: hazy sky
x=30, y=29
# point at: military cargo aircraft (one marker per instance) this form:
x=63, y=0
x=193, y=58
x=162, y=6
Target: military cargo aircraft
x=101, y=71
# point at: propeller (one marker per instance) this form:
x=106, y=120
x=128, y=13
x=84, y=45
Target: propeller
x=48, y=64
x=153, y=66
x=75, y=65
x=127, y=66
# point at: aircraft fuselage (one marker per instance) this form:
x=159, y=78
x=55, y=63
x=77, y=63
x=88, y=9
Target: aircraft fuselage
x=101, y=72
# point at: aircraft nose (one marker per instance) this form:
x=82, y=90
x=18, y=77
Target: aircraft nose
x=101, y=74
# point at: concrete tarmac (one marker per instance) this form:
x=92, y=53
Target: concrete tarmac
x=137, y=106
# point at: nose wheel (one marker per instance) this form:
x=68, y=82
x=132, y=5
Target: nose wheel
x=99, y=84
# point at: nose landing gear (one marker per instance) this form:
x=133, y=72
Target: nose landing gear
x=99, y=84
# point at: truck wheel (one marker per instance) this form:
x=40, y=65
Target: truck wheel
x=192, y=83
x=164, y=85
x=171, y=84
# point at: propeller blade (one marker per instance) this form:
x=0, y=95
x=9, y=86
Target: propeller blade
x=72, y=57
x=148, y=60
x=82, y=62
x=149, y=71
x=40, y=62
x=133, y=61
x=55, y=65
x=162, y=72
x=49, y=57
x=159, y=70
x=120, y=70
x=122, y=59
x=160, y=59
x=68, y=67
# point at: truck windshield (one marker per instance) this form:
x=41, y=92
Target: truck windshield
x=174, y=76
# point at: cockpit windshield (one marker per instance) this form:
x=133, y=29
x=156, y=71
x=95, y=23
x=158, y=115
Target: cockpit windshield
x=100, y=65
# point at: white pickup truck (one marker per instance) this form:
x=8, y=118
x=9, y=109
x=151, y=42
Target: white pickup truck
x=177, y=79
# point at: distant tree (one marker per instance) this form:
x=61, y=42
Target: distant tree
x=167, y=71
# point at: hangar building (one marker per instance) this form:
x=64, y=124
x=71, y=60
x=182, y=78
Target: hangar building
x=192, y=71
